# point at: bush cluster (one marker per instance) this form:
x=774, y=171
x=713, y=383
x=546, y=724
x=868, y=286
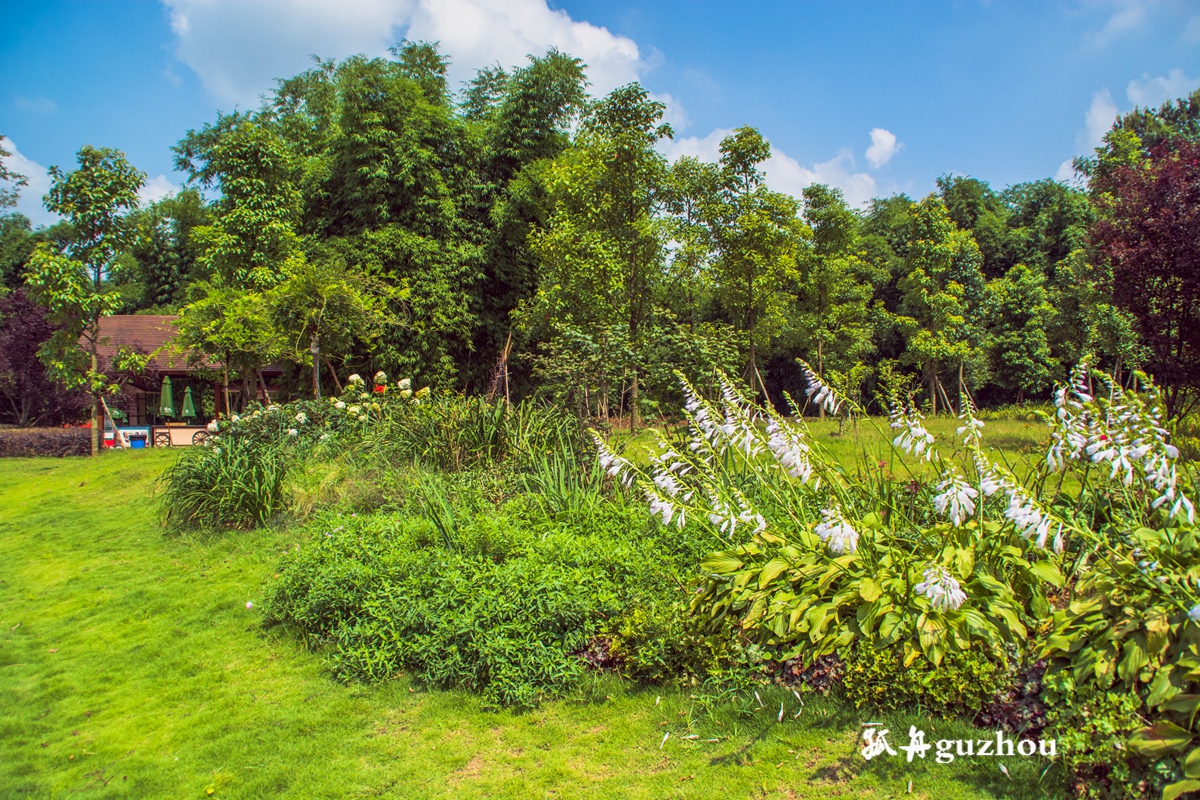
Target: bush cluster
x=506, y=604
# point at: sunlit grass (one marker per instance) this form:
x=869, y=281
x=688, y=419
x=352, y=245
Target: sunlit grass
x=130, y=667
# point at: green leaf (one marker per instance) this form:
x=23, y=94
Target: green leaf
x=1179, y=788
x=869, y=590
x=1191, y=765
x=771, y=571
x=1048, y=572
x=720, y=563
x=1160, y=739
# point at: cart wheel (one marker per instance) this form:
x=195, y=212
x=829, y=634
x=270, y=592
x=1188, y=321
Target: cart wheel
x=162, y=439
x=200, y=437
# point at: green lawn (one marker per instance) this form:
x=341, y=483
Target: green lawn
x=130, y=666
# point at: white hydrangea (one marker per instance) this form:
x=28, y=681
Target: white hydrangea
x=380, y=378
x=355, y=378
x=302, y=418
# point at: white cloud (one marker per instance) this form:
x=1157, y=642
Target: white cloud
x=675, y=114
x=1127, y=15
x=1099, y=118
x=1191, y=32
x=1066, y=171
x=37, y=105
x=784, y=173
x=29, y=202
x=1149, y=92
x=883, y=147
x=237, y=48
x=156, y=189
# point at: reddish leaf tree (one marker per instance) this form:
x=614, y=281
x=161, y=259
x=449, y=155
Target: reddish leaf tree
x=1150, y=232
x=27, y=396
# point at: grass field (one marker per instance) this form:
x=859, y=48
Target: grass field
x=131, y=667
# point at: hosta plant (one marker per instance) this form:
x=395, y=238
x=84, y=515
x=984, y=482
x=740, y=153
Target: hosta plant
x=817, y=560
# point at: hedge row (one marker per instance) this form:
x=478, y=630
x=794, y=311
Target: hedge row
x=17, y=442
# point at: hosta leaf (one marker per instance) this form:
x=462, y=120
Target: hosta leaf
x=771, y=571
x=869, y=590
x=1135, y=658
x=1191, y=764
x=1048, y=572
x=1160, y=739
x=720, y=563
x=1179, y=789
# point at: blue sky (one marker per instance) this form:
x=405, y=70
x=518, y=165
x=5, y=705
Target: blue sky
x=875, y=98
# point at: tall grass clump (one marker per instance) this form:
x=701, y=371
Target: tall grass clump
x=234, y=483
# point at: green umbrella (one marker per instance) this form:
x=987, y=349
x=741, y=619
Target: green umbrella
x=166, y=401
x=189, y=408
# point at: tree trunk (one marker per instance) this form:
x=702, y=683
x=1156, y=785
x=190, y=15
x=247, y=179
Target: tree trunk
x=228, y=410
x=932, y=394
x=95, y=408
x=315, y=348
x=633, y=403
x=333, y=372
x=821, y=372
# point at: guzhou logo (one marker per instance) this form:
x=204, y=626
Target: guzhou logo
x=875, y=743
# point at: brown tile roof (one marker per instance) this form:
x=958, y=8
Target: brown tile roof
x=143, y=333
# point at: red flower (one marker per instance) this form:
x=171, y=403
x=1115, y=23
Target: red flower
x=380, y=389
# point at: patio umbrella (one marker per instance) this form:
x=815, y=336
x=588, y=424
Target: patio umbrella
x=166, y=402
x=189, y=408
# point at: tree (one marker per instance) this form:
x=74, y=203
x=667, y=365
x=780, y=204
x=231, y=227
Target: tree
x=602, y=250
x=96, y=198
x=1149, y=231
x=11, y=182
x=323, y=309
x=690, y=184
x=942, y=295
x=832, y=302
x=756, y=235
x=1017, y=344
x=29, y=395
x=252, y=234
x=230, y=327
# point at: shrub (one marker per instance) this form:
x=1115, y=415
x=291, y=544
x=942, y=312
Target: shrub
x=500, y=605
x=57, y=442
x=231, y=482
x=963, y=683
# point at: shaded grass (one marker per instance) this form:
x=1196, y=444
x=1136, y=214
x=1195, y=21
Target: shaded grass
x=130, y=667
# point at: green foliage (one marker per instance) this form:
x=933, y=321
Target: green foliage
x=503, y=612
x=1092, y=728
x=963, y=683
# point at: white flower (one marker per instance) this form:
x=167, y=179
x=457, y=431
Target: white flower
x=1194, y=614
x=293, y=432
x=913, y=438
x=249, y=605
x=355, y=378
x=302, y=418
x=791, y=453
x=352, y=410
x=235, y=418
x=944, y=592
x=339, y=405
x=835, y=531
x=956, y=501
x=380, y=377
x=362, y=417
x=406, y=393
x=406, y=383
x=214, y=426
x=819, y=392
